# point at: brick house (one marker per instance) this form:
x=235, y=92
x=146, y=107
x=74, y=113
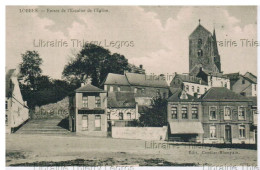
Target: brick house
x=88, y=111
x=184, y=117
x=226, y=117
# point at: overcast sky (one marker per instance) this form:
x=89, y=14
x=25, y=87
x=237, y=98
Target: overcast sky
x=158, y=35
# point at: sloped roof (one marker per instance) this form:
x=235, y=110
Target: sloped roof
x=146, y=80
x=117, y=79
x=176, y=93
x=8, y=83
x=190, y=79
x=215, y=74
x=253, y=99
x=233, y=76
x=121, y=100
x=200, y=28
x=252, y=78
x=222, y=94
x=89, y=88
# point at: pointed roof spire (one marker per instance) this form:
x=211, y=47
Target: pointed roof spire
x=199, y=21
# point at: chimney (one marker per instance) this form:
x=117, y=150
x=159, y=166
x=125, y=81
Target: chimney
x=141, y=66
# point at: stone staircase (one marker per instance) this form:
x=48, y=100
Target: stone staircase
x=42, y=126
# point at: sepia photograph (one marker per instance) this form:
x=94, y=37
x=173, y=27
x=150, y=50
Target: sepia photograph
x=131, y=86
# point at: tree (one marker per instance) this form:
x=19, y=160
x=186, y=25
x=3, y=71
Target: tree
x=95, y=62
x=156, y=116
x=30, y=68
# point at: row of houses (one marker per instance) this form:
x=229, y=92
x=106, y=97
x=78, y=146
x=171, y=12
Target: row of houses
x=204, y=105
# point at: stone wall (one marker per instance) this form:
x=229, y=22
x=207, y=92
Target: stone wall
x=59, y=109
x=143, y=133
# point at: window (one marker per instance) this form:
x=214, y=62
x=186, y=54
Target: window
x=255, y=86
x=200, y=41
x=158, y=92
x=174, y=112
x=108, y=115
x=143, y=90
x=213, y=113
x=242, y=131
x=118, y=88
x=85, y=122
x=6, y=119
x=200, y=53
x=243, y=93
x=129, y=115
x=98, y=101
x=97, y=122
x=194, y=112
x=241, y=113
x=192, y=88
x=243, y=81
x=184, y=113
x=135, y=90
x=198, y=89
x=85, y=101
x=212, y=131
x=187, y=88
x=121, y=116
x=226, y=84
x=227, y=113
x=6, y=105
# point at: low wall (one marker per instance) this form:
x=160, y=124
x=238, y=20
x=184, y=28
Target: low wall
x=143, y=133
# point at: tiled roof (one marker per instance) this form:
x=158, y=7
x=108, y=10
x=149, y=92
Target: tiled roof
x=117, y=79
x=222, y=94
x=8, y=83
x=253, y=99
x=121, y=100
x=89, y=88
x=252, y=78
x=146, y=80
x=176, y=93
x=136, y=79
x=191, y=79
x=232, y=76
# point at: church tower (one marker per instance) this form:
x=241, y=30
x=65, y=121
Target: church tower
x=203, y=51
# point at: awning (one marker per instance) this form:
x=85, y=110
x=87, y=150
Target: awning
x=186, y=128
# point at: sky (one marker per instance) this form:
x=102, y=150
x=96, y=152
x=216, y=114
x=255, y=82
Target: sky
x=154, y=36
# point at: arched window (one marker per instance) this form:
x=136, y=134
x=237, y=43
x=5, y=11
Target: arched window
x=121, y=116
x=200, y=53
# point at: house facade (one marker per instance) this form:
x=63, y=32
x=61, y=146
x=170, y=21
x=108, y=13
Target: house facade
x=226, y=117
x=88, y=114
x=16, y=109
x=184, y=117
x=245, y=85
x=141, y=85
x=122, y=109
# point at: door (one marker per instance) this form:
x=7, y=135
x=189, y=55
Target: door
x=228, y=137
x=84, y=122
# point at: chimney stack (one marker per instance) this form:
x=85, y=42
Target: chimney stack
x=141, y=66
